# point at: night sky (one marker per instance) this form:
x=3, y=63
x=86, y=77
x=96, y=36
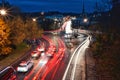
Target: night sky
x=54, y=5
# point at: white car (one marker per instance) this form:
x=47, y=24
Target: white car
x=24, y=66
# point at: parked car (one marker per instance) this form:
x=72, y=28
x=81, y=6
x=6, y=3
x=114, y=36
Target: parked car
x=9, y=73
x=24, y=66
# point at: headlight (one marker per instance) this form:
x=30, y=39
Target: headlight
x=42, y=54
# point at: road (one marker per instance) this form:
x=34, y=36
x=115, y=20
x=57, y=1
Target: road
x=47, y=68
x=76, y=66
x=58, y=63
x=38, y=64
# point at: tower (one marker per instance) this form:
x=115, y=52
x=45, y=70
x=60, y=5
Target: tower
x=83, y=10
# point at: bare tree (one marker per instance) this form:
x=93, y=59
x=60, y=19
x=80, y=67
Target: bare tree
x=107, y=4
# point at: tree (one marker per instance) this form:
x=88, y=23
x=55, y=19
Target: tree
x=23, y=29
x=4, y=38
x=47, y=24
x=115, y=15
x=33, y=30
x=17, y=30
x=115, y=8
x=107, y=4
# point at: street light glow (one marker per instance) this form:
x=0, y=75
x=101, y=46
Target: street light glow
x=85, y=20
x=34, y=19
x=3, y=12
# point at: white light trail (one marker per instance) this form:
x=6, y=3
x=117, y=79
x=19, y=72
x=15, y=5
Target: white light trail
x=80, y=54
x=65, y=74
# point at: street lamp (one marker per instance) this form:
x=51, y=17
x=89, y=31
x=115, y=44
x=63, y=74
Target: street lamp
x=34, y=19
x=85, y=20
x=3, y=12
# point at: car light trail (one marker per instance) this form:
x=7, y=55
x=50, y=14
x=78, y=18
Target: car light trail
x=43, y=67
x=85, y=43
x=57, y=58
x=42, y=62
x=82, y=50
x=56, y=68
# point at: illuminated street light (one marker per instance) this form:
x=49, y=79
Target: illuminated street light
x=85, y=20
x=34, y=19
x=3, y=12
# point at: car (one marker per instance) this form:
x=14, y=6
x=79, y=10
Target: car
x=41, y=47
x=8, y=73
x=49, y=54
x=51, y=51
x=24, y=66
x=42, y=53
x=35, y=54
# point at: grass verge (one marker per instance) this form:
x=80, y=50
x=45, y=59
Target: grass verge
x=16, y=54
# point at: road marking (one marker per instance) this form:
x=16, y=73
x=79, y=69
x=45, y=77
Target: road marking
x=66, y=71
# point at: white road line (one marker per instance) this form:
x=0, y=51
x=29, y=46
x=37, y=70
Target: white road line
x=66, y=71
x=79, y=55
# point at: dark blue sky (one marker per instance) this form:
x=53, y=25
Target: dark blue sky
x=54, y=5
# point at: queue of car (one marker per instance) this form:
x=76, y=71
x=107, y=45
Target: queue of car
x=25, y=65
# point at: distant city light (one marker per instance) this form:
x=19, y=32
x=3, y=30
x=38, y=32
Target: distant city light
x=42, y=13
